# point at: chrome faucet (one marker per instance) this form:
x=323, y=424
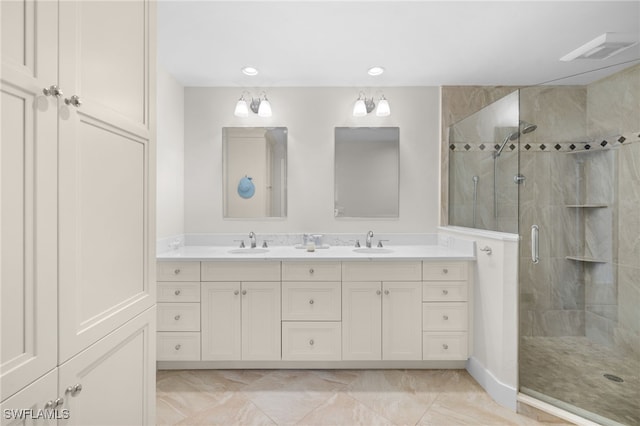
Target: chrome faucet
x=252, y=238
x=369, y=238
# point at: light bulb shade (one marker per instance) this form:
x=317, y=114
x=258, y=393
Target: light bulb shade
x=242, y=109
x=383, y=109
x=265, y=108
x=359, y=108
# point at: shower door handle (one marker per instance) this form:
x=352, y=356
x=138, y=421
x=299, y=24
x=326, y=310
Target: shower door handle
x=534, y=244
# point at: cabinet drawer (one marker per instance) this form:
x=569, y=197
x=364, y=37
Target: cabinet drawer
x=179, y=292
x=178, y=346
x=444, y=316
x=178, y=271
x=178, y=317
x=444, y=271
x=309, y=301
x=311, y=341
x=445, y=291
x=241, y=271
x=445, y=346
x=381, y=271
x=311, y=271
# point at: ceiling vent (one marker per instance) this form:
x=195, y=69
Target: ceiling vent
x=603, y=46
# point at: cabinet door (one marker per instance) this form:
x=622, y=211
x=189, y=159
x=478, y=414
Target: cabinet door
x=33, y=397
x=261, y=321
x=402, y=321
x=117, y=378
x=361, y=321
x=220, y=321
x=28, y=193
x=106, y=168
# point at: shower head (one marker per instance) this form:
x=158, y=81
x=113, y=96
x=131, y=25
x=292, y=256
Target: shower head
x=510, y=137
x=527, y=127
x=523, y=128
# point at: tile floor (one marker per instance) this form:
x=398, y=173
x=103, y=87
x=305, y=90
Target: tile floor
x=327, y=397
x=571, y=369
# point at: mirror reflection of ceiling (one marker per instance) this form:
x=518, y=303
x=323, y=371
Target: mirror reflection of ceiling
x=419, y=43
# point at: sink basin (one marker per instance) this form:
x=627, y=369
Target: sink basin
x=372, y=250
x=248, y=251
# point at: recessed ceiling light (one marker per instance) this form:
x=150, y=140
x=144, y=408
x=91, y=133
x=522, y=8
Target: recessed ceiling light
x=375, y=71
x=250, y=71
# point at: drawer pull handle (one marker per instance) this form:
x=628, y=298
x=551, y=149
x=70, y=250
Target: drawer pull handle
x=445, y=346
x=236, y=292
x=386, y=292
x=378, y=292
x=177, y=292
x=311, y=271
x=176, y=271
x=445, y=271
x=178, y=346
x=244, y=292
x=311, y=301
x=177, y=318
x=445, y=292
x=445, y=317
x=311, y=342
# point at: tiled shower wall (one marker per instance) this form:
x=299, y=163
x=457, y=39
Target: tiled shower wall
x=561, y=297
x=611, y=313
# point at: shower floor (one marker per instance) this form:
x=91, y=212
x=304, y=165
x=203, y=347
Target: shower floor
x=571, y=369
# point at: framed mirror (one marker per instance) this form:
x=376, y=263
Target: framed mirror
x=367, y=172
x=254, y=167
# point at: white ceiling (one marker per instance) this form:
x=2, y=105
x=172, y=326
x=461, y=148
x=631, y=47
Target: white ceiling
x=420, y=43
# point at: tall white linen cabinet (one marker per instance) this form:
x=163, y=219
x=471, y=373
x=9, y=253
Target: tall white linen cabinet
x=77, y=212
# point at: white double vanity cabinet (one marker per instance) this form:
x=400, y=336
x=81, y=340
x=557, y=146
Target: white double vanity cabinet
x=323, y=313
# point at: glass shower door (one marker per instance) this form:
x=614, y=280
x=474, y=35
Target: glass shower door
x=574, y=347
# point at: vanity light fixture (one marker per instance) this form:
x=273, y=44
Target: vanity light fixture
x=259, y=105
x=364, y=106
x=383, y=109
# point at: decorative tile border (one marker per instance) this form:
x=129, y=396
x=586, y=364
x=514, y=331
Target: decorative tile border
x=607, y=143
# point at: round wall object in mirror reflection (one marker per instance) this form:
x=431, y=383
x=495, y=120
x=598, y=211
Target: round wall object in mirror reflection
x=246, y=188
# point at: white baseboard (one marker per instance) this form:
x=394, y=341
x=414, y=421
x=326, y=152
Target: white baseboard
x=503, y=394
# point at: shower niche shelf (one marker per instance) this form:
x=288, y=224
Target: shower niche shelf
x=587, y=206
x=586, y=259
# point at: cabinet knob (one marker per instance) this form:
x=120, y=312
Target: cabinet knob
x=311, y=342
x=445, y=292
x=311, y=301
x=445, y=317
x=178, y=346
x=75, y=389
x=176, y=271
x=445, y=271
x=445, y=346
x=236, y=292
x=52, y=91
x=177, y=292
x=311, y=271
x=386, y=292
x=244, y=292
x=53, y=404
x=177, y=318
x=73, y=101
x=378, y=292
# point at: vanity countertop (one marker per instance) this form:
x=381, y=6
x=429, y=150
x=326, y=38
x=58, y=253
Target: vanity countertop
x=280, y=253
